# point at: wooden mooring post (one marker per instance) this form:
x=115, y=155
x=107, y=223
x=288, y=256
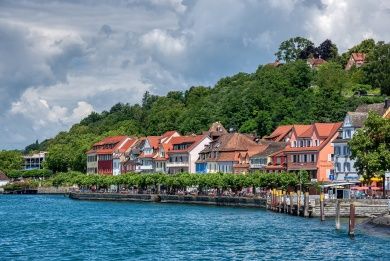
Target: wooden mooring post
x=291, y=202
x=322, y=210
x=298, y=202
x=351, y=229
x=306, y=205
x=338, y=214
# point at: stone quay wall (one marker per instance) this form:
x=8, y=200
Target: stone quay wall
x=363, y=207
x=184, y=199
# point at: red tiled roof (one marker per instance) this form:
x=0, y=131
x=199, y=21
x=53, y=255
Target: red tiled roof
x=279, y=133
x=126, y=145
x=117, y=141
x=325, y=131
x=110, y=140
x=168, y=134
x=153, y=141
x=316, y=61
x=303, y=131
x=359, y=57
x=194, y=139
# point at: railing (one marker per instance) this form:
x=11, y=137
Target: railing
x=257, y=166
x=177, y=164
x=146, y=167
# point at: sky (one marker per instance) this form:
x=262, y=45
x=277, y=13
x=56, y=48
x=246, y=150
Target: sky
x=61, y=60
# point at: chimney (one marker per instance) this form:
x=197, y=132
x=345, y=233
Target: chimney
x=387, y=103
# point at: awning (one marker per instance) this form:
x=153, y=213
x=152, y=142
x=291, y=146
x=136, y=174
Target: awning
x=339, y=184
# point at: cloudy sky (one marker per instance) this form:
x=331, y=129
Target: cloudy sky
x=60, y=60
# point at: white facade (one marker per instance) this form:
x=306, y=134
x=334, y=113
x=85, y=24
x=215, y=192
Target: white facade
x=343, y=165
x=194, y=153
x=116, y=166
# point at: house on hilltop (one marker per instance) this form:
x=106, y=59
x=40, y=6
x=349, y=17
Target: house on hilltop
x=314, y=63
x=356, y=59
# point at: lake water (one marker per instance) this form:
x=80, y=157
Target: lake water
x=58, y=228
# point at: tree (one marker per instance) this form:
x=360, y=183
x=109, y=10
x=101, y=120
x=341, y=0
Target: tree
x=290, y=49
x=370, y=147
x=32, y=147
x=377, y=69
x=327, y=50
x=10, y=160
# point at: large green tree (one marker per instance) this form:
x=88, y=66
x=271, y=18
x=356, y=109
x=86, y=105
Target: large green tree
x=377, y=69
x=291, y=49
x=10, y=160
x=370, y=146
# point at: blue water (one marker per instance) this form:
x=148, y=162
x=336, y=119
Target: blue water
x=58, y=228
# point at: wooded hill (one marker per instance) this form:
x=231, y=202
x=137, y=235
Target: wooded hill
x=255, y=102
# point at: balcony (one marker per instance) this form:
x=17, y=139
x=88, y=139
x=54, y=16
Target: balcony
x=177, y=164
x=257, y=166
x=302, y=165
x=146, y=167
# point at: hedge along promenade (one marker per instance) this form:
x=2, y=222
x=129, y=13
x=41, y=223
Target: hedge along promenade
x=34, y=173
x=172, y=183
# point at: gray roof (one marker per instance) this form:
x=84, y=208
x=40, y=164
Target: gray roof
x=378, y=108
x=357, y=118
x=272, y=148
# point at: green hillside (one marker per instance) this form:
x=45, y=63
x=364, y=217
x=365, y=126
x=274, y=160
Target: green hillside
x=247, y=102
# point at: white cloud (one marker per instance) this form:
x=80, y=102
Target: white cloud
x=163, y=42
x=59, y=63
x=42, y=115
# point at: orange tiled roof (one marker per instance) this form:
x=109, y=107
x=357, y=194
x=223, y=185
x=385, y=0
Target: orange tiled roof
x=303, y=131
x=153, y=141
x=279, y=133
x=324, y=130
x=117, y=141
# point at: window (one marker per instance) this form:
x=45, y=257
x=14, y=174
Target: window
x=347, y=167
x=294, y=143
x=338, y=167
x=337, y=150
x=313, y=158
x=317, y=142
x=278, y=161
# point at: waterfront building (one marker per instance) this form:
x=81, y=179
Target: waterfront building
x=119, y=155
x=34, y=161
x=310, y=148
x=278, y=162
x=227, y=154
x=183, y=152
x=344, y=169
x=261, y=160
x=150, y=149
x=100, y=158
